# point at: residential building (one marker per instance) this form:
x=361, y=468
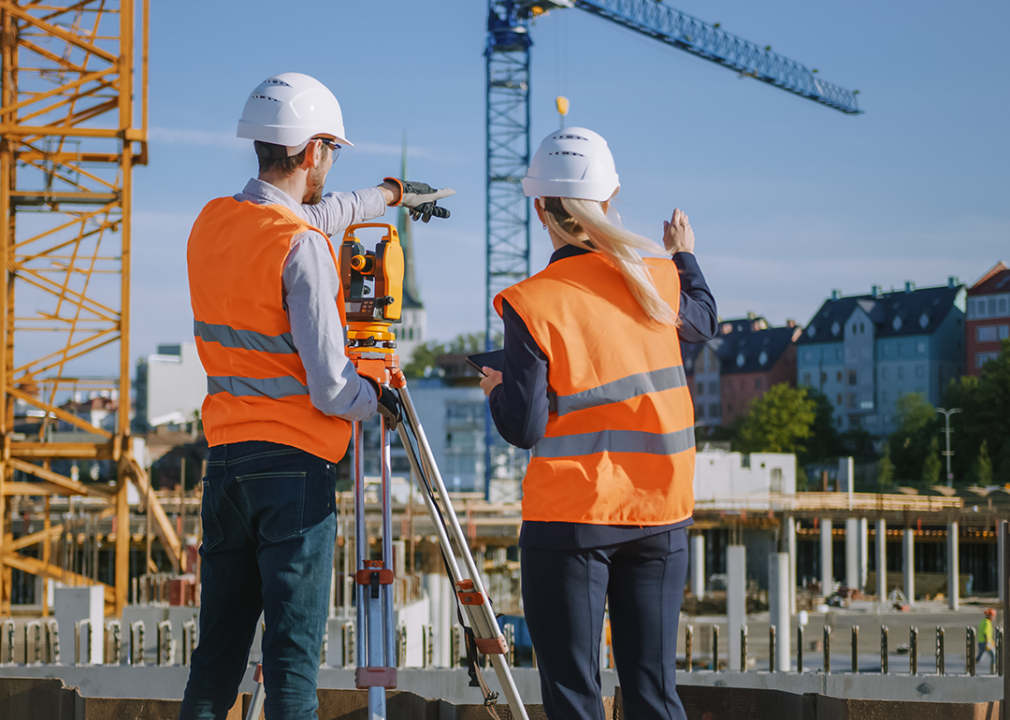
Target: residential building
x=988, y=317
x=866, y=351
x=170, y=387
x=754, y=358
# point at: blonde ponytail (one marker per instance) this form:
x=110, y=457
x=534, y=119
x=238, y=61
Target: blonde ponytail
x=583, y=223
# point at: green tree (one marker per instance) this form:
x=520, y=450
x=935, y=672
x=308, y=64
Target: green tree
x=422, y=361
x=824, y=442
x=778, y=421
x=981, y=471
x=910, y=442
x=931, y=464
x=885, y=469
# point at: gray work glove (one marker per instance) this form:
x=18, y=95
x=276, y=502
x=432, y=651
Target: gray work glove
x=420, y=198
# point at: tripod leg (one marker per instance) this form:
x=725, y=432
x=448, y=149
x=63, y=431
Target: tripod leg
x=387, y=548
x=470, y=590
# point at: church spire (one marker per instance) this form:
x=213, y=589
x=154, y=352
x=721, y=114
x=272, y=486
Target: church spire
x=411, y=296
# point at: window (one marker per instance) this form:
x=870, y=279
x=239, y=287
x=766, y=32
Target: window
x=852, y=377
x=700, y=387
x=854, y=421
x=980, y=308
x=808, y=356
x=920, y=347
x=992, y=333
x=885, y=351
x=883, y=373
x=824, y=377
x=901, y=372
x=758, y=382
x=699, y=411
x=883, y=396
x=862, y=330
x=852, y=400
x=982, y=358
x=1002, y=306
x=776, y=480
x=713, y=388
x=838, y=376
x=854, y=326
x=901, y=349
x=806, y=378
x=839, y=353
x=920, y=371
x=838, y=401
x=991, y=309
x=713, y=410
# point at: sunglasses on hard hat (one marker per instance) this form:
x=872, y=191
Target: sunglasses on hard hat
x=332, y=145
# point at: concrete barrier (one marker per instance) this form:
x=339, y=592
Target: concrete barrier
x=49, y=699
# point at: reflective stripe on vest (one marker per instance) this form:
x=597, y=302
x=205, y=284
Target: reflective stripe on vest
x=620, y=390
x=230, y=337
x=274, y=388
x=615, y=441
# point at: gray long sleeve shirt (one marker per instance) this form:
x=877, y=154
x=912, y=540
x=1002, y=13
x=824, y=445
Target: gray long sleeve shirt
x=311, y=285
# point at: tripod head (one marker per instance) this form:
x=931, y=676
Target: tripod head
x=372, y=281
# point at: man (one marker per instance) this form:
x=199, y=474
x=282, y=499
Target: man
x=281, y=396
x=986, y=644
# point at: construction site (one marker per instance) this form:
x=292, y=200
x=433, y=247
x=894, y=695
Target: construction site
x=823, y=604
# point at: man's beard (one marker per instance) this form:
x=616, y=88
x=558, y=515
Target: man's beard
x=317, y=178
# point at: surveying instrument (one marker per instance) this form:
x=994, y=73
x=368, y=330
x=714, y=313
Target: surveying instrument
x=373, y=294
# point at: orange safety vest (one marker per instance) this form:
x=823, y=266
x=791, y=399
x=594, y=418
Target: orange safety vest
x=619, y=443
x=256, y=383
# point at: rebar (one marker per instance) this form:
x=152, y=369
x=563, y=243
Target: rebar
x=940, y=670
x=347, y=635
x=429, y=654
x=913, y=650
x=37, y=626
x=52, y=642
x=799, y=649
x=454, y=648
x=827, y=650
x=855, y=649
x=715, y=648
x=969, y=651
x=115, y=641
x=688, y=648
x=165, y=642
x=137, y=642
x=743, y=649
x=883, y=649
x=998, y=638
x=188, y=641
x=771, y=649
x=9, y=634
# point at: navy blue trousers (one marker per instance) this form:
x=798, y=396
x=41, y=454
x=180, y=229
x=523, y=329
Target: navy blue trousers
x=564, y=594
x=269, y=524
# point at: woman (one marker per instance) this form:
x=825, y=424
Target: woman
x=593, y=383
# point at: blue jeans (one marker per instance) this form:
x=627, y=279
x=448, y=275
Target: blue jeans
x=564, y=592
x=269, y=525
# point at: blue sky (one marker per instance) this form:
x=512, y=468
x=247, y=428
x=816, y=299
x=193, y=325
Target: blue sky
x=788, y=199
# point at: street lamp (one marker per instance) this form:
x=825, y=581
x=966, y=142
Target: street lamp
x=947, y=431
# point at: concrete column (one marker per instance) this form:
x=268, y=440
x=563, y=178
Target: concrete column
x=698, y=565
x=736, y=600
x=953, y=567
x=791, y=550
x=846, y=477
x=74, y=604
x=1000, y=549
x=864, y=552
x=827, y=567
x=881, y=561
x=779, y=592
x=908, y=564
x=852, y=552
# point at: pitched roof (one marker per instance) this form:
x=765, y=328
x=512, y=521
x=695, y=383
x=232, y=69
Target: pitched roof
x=895, y=313
x=756, y=351
x=996, y=280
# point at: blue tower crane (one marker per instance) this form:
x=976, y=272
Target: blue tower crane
x=508, y=121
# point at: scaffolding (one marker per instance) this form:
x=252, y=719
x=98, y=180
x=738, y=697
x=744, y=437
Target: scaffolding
x=71, y=136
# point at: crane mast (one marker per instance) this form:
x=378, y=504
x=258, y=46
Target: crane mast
x=507, y=54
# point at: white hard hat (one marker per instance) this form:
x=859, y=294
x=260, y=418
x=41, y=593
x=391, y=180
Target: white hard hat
x=572, y=163
x=289, y=109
